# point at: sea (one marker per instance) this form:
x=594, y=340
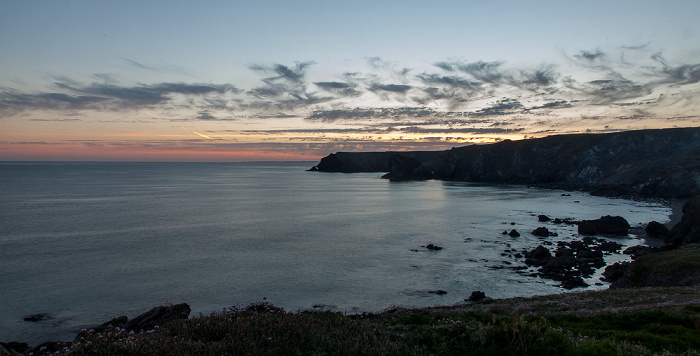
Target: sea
x=84, y=242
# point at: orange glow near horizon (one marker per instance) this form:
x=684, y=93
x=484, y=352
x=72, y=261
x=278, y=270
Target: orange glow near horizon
x=47, y=152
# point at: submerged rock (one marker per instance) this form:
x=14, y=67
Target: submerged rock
x=37, y=317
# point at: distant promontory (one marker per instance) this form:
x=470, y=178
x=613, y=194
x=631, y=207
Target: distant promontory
x=662, y=163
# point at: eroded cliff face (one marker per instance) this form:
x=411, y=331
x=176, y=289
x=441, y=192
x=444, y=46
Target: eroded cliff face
x=647, y=163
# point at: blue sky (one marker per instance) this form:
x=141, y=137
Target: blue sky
x=246, y=80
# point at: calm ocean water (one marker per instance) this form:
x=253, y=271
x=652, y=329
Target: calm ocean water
x=86, y=242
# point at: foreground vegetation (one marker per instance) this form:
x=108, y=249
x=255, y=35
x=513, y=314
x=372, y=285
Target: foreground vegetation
x=611, y=322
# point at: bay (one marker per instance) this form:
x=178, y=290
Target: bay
x=86, y=242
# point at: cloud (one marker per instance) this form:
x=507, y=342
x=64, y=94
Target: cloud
x=590, y=56
x=362, y=114
x=534, y=79
x=465, y=130
x=487, y=72
x=103, y=96
x=606, y=91
x=342, y=89
x=56, y=120
x=392, y=88
x=504, y=106
x=679, y=75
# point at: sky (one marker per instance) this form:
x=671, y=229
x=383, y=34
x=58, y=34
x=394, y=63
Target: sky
x=297, y=80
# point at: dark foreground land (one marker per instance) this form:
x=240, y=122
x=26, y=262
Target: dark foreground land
x=644, y=321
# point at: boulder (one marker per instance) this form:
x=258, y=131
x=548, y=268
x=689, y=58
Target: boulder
x=513, y=233
x=543, y=218
x=688, y=229
x=158, y=316
x=543, y=232
x=477, y=296
x=538, y=253
x=615, y=271
x=656, y=229
x=606, y=225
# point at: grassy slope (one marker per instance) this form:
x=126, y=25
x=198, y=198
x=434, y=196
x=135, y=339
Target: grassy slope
x=676, y=267
x=629, y=321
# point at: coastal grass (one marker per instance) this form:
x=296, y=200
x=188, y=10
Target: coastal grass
x=646, y=321
x=681, y=265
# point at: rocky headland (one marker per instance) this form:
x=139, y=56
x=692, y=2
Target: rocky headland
x=643, y=164
x=662, y=163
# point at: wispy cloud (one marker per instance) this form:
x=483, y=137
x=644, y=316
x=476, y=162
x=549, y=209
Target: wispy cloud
x=445, y=97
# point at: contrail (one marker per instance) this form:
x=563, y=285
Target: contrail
x=151, y=114
x=205, y=136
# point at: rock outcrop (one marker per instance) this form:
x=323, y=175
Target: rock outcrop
x=606, y=225
x=645, y=163
x=407, y=168
x=688, y=229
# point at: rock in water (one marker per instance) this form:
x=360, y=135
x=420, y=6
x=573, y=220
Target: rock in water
x=542, y=232
x=606, y=225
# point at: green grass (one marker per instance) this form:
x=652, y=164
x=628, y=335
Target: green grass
x=643, y=321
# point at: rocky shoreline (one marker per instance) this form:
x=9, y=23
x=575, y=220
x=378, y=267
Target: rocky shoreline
x=568, y=262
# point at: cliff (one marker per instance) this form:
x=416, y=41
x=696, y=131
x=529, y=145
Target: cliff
x=662, y=163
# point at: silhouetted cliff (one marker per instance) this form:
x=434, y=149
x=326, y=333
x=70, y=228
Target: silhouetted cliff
x=661, y=163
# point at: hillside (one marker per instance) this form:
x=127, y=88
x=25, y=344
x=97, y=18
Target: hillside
x=661, y=163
